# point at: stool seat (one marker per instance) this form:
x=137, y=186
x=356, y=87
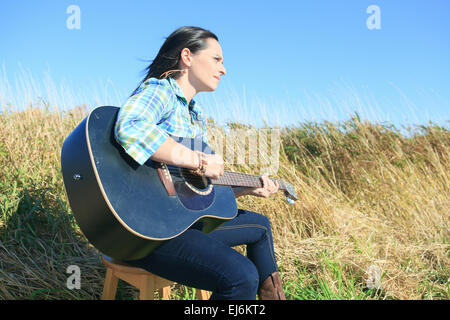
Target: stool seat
x=145, y=281
x=122, y=266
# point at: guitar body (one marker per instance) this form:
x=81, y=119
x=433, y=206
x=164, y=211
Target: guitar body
x=123, y=208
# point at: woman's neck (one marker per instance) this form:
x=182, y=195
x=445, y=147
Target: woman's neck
x=187, y=88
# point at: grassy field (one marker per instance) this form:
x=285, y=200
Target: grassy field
x=371, y=222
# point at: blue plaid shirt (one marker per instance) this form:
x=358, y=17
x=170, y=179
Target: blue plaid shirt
x=156, y=109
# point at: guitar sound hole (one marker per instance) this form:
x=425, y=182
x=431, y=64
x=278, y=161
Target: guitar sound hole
x=194, y=180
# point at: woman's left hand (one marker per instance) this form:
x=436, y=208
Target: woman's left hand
x=269, y=187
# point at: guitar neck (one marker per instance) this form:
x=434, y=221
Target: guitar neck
x=237, y=179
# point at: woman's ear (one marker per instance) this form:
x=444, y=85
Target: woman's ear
x=186, y=57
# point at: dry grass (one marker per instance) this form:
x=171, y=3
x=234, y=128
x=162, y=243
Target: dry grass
x=368, y=196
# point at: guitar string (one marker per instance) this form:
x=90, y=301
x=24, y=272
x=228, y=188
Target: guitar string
x=231, y=176
x=239, y=178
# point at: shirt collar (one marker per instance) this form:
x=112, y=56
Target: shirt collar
x=192, y=105
x=177, y=89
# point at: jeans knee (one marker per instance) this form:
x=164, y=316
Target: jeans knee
x=264, y=221
x=260, y=219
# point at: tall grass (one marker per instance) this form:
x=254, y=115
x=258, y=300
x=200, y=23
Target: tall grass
x=370, y=198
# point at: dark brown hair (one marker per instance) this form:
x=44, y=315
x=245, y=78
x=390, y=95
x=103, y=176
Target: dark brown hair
x=167, y=60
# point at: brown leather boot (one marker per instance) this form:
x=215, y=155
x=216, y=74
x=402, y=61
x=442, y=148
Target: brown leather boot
x=271, y=288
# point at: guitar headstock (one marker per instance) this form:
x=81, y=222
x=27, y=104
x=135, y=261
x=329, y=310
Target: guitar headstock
x=289, y=192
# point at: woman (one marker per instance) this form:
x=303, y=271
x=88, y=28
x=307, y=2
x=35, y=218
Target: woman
x=191, y=61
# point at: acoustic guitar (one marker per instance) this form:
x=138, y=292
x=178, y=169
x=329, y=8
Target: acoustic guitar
x=126, y=210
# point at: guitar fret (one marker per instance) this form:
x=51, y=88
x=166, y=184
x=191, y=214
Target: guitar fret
x=243, y=179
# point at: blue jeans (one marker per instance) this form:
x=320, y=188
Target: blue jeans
x=208, y=261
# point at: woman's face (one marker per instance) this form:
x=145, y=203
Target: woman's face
x=206, y=67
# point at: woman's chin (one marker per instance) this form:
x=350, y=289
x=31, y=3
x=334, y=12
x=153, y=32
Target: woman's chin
x=210, y=88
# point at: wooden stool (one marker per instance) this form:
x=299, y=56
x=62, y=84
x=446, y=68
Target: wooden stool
x=145, y=281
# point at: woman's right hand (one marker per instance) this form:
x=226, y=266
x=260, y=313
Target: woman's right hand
x=214, y=166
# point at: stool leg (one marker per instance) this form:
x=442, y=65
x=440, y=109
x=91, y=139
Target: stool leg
x=147, y=288
x=202, y=294
x=164, y=293
x=110, y=285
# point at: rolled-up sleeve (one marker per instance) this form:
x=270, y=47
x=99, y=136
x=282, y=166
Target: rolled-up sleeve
x=136, y=128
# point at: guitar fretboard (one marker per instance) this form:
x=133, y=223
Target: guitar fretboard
x=238, y=179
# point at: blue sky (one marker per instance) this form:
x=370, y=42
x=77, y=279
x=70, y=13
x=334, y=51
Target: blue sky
x=286, y=61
